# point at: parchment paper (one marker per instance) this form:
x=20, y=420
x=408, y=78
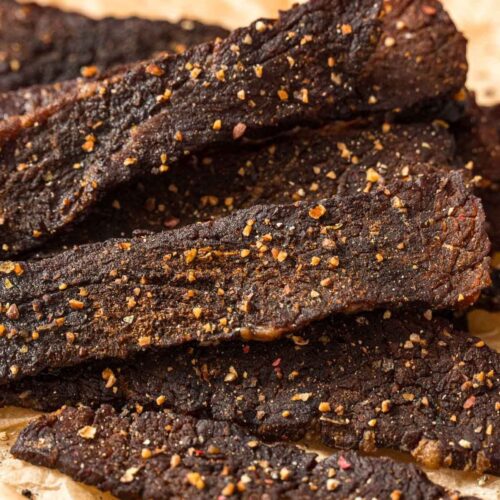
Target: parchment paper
x=478, y=20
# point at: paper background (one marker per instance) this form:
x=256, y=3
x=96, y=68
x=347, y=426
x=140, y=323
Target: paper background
x=477, y=18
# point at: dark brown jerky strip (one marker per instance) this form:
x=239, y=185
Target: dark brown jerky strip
x=420, y=58
x=376, y=381
x=58, y=161
x=44, y=45
x=304, y=165
x=160, y=455
x=258, y=273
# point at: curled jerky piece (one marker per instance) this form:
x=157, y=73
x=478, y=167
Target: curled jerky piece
x=258, y=273
x=44, y=45
x=160, y=455
x=59, y=160
x=402, y=381
x=303, y=165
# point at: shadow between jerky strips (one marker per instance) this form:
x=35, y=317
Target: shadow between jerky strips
x=58, y=161
x=258, y=273
x=160, y=455
x=405, y=381
x=305, y=165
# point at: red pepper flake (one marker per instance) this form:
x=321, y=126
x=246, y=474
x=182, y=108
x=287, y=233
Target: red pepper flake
x=343, y=463
x=171, y=222
x=470, y=402
x=277, y=362
x=239, y=130
x=246, y=349
x=199, y=453
x=153, y=69
x=12, y=312
x=430, y=11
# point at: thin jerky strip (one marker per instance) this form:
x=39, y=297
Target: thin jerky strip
x=419, y=59
x=44, y=45
x=304, y=165
x=258, y=273
x=375, y=381
x=160, y=455
x=57, y=162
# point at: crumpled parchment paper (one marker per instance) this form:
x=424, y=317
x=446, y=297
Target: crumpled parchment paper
x=477, y=19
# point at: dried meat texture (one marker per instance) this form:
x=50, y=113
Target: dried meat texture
x=150, y=116
x=42, y=45
x=257, y=273
x=400, y=381
x=420, y=58
x=160, y=455
x=315, y=63
x=303, y=165
x=420, y=54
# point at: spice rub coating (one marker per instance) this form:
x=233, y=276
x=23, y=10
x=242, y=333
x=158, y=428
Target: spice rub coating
x=384, y=380
x=419, y=59
x=303, y=165
x=43, y=44
x=257, y=273
x=58, y=161
x=159, y=454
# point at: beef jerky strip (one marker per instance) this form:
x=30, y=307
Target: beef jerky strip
x=286, y=88
x=420, y=58
x=160, y=455
x=400, y=381
x=258, y=273
x=58, y=161
x=44, y=45
x=305, y=165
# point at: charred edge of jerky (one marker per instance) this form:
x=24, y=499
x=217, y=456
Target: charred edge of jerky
x=258, y=273
x=142, y=121
x=403, y=381
x=43, y=45
x=158, y=455
x=299, y=166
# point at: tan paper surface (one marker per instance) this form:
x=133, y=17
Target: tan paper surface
x=477, y=18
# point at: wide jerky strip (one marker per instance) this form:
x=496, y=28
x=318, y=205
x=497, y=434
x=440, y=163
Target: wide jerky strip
x=303, y=165
x=59, y=160
x=160, y=455
x=380, y=380
x=44, y=44
x=419, y=59
x=258, y=273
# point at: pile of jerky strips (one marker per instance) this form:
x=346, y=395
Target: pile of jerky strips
x=253, y=238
